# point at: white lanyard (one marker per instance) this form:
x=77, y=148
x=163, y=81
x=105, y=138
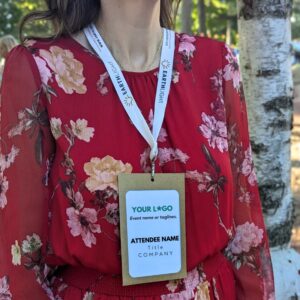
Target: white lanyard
x=124, y=93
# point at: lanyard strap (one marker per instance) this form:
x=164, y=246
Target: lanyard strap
x=123, y=91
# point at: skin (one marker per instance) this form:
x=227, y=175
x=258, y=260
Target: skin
x=132, y=31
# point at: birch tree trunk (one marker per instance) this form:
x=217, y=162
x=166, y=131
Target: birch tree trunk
x=186, y=18
x=265, y=43
x=202, y=16
x=228, y=31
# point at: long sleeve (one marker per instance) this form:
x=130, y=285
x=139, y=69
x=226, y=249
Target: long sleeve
x=248, y=249
x=26, y=150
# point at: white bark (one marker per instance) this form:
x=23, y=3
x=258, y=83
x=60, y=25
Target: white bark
x=265, y=39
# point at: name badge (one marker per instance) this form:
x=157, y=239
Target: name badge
x=152, y=227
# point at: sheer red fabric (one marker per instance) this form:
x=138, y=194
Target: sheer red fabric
x=64, y=139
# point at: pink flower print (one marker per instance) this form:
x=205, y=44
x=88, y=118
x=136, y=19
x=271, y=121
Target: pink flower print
x=83, y=223
x=175, y=76
x=217, y=84
x=101, y=83
x=192, y=280
x=169, y=154
x=3, y=190
x=112, y=213
x=25, y=122
x=45, y=72
x=215, y=131
x=247, y=236
x=248, y=167
x=172, y=285
x=245, y=197
x=186, y=46
x=231, y=70
x=217, y=106
x=5, y=293
x=203, y=179
x=78, y=200
x=6, y=160
x=145, y=161
x=162, y=134
x=190, y=283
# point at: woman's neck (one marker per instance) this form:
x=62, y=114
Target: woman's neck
x=132, y=31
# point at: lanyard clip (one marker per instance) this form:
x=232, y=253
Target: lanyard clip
x=152, y=169
x=153, y=156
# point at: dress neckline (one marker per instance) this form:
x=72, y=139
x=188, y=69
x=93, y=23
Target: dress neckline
x=151, y=72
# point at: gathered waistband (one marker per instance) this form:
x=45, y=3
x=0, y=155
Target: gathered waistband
x=88, y=279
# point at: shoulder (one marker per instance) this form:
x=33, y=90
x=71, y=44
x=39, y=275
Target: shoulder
x=205, y=50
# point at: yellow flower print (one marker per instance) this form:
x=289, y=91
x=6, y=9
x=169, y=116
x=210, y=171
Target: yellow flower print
x=104, y=173
x=68, y=70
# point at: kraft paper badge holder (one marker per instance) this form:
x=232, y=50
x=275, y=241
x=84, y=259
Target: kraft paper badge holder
x=152, y=227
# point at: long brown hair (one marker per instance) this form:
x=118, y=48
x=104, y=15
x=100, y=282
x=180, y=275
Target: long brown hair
x=71, y=16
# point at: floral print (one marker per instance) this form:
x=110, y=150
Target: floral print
x=32, y=244
x=104, y=173
x=186, y=45
x=112, y=213
x=248, y=167
x=247, y=236
x=186, y=48
x=83, y=223
x=194, y=286
x=55, y=124
x=81, y=131
x=217, y=106
x=88, y=296
x=43, y=69
x=4, y=188
x=240, y=249
x=77, y=158
x=101, y=83
x=211, y=182
x=215, y=131
x=68, y=70
x=5, y=293
x=165, y=155
x=16, y=254
x=231, y=70
x=5, y=162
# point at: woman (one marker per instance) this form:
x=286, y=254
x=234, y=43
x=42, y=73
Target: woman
x=7, y=43
x=66, y=137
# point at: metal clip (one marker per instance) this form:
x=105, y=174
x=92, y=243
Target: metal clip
x=152, y=169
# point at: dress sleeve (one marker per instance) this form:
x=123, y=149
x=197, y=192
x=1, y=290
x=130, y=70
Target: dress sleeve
x=248, y=249
x=26, y=150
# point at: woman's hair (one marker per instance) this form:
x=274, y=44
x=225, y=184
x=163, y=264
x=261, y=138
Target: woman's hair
x=7, y=42
x=71, y=16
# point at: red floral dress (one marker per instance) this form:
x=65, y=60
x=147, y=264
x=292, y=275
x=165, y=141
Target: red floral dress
x=64, y=139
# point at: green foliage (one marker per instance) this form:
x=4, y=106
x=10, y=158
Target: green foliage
x=218, y=12
x=9, y=17
x=12, y=11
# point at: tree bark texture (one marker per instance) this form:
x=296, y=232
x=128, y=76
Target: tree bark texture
x=186, y=18
x=202, y=16
x=265, y=59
